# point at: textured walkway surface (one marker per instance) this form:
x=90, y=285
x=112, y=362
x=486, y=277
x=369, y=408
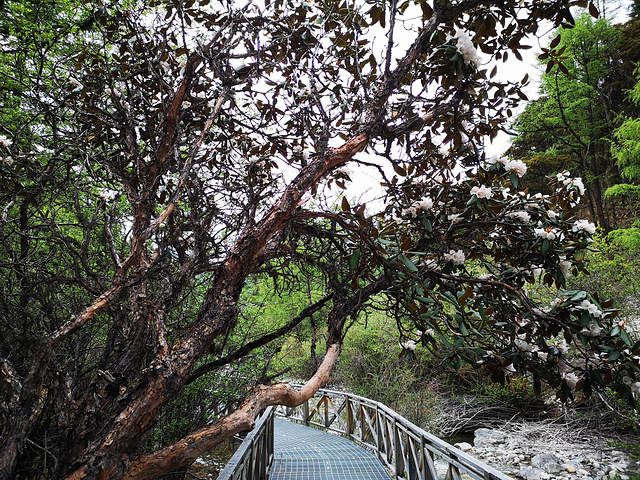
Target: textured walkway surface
x=304, y=453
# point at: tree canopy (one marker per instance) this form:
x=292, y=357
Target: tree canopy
x=160, y=159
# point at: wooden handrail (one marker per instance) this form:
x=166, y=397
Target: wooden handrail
x=407, y=450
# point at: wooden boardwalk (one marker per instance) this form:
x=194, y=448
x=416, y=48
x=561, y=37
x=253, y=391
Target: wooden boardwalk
x=305, y=453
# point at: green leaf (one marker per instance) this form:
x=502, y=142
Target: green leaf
x=354, y=259
x=579, y=296
x=408, y=263
x=514, y=179
x=546, y=245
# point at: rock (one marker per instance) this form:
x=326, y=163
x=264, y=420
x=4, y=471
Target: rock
x=548, y=463
x=530, y=473
x=486, y=436
x=569, y=468
x=464, y=446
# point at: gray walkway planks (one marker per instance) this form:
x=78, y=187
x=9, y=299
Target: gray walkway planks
x=304, y=453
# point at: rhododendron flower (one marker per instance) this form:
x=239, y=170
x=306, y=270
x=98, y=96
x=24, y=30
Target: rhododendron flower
x=565, y=268
x=571, y=379
x=455, y=256
x=465, y=47
x=551, y=214
x=584, y=225
x=5, y=142
x=516, y=166
x=481, y=191
x=593, y=330
x=410, y=212
x=591, y=308
x=524, y=217
x=575, y=182
x=425, y=204
x=547, y=233
x=408, y=345
x=454, y=218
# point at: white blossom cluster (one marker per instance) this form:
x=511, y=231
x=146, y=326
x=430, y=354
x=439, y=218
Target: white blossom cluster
x=516, y=166
x=465, y=47
x=408, y=345
x=481, y=192
x=456, y=257
x=6, y=143
x=584, y=225
x=634, y=386
x=592, y=308
x=521, y=216
x=548, y=233
x=573, y=182
x=425, y=204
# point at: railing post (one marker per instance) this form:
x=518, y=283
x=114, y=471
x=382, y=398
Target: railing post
x=305, y=412
x=378, y=430
x=397, y=451
x=347, y=403
x=325, y=400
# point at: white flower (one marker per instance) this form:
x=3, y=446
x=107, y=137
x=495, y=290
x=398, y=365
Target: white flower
x=547, y=233
x=524, y=217
x=492, y=160
x=551, y=214
x=584, y=225
x=622, y=324
x=522, y=345
x=543, y=355
x=408, y=345
x=575, y=183
x=516, y=166
x=561, y=346
x=8, y=160
x=481, y=191
x=635, y=387
x=591, y=308
x=571, y=379
x=5, y=142
x=430, y=332
x=455, y=256
x=410, y=212
x=593, y=330
x=211, y=103
x=297, y=149
x=186, y=104
x=484, y=277
x=425, y=204
x=454, y=218
x=565, y=268
x=465, y=47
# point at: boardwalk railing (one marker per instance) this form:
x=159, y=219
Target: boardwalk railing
x=407, y=450
x=253, y=458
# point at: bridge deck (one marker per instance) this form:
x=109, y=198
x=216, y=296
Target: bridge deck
x=304, y=453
